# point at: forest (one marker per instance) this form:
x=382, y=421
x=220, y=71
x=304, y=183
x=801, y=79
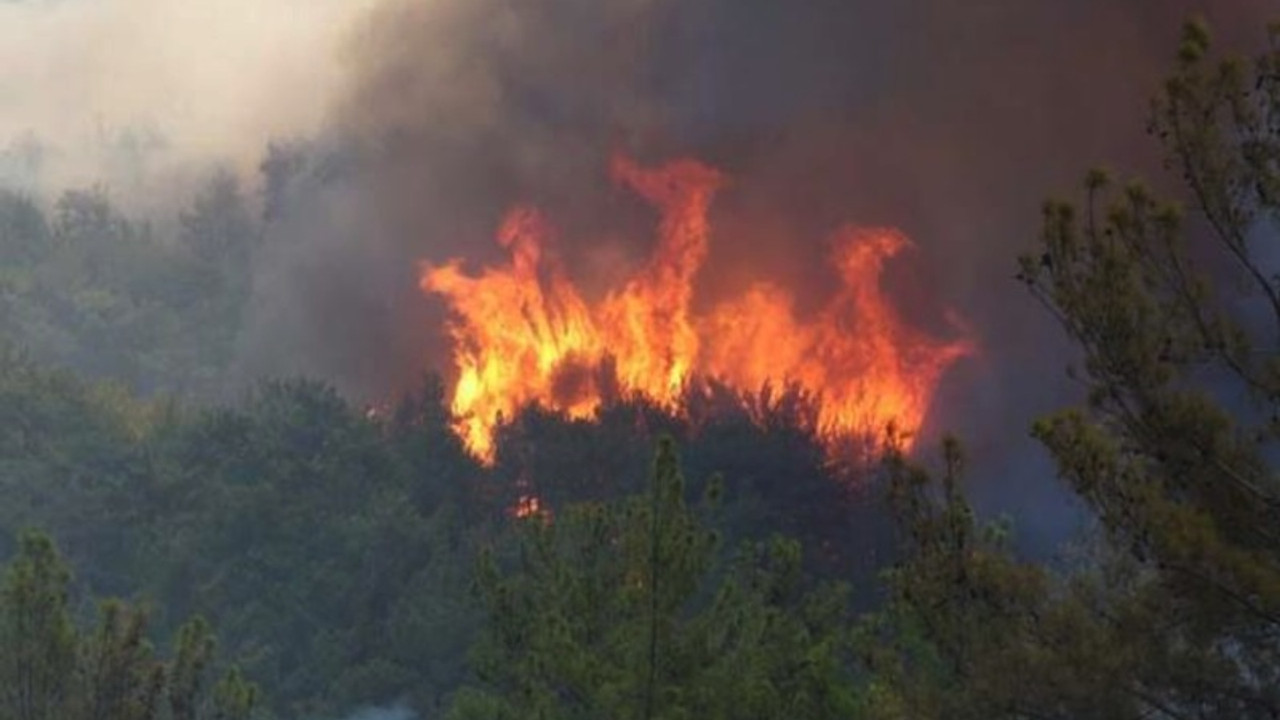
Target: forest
x=177, y=547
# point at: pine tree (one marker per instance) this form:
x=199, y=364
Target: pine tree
x=1175, y=451
x=618, y=610
x=37, y=637
x=49, y=671
x=1175, y=610
x=119, y=676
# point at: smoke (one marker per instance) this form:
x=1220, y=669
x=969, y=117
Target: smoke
x=137, y=93
x=454, y=110
x=951, y=121
x=422, y=120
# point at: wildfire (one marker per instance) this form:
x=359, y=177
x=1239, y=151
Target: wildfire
x=528, y=506
x=523, y=333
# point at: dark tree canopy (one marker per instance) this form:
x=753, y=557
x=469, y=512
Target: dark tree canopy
x=1174, y=611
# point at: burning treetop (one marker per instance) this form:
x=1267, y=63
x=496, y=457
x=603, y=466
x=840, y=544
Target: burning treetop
x=524, y=334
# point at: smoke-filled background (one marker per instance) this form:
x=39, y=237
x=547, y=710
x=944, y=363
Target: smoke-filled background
x=139, y=92
x=399, y=131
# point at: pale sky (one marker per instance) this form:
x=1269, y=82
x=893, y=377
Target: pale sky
x=215, y=78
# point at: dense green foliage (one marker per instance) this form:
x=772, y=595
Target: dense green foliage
x=335, y=549
x=350, y=557
x=614, y=611
x=84, y=287
x=295, y=525
x=51, y=670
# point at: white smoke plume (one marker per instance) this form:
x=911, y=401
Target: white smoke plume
x=130, y=93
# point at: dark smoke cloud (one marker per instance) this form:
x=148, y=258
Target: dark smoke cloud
x=949, y=120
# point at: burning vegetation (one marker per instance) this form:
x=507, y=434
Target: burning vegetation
x=643, y=490
x=524, y=333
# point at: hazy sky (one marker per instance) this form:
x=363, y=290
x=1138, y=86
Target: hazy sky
x=215, y=79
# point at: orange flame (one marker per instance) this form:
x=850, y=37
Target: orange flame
x=524, y=334
x=529, y=506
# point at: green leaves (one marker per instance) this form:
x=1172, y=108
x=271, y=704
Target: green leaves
x=1175, y=449
x=119, y=677
x=87, y=288
x=37, y=639
x=618, y=610
x=49, y=671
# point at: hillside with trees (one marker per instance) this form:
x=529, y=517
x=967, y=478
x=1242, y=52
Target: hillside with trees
x=173, y=554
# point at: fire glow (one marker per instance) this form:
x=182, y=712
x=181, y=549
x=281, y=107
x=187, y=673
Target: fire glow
x=524, y=334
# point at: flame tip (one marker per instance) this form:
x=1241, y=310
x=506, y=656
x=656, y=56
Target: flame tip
x=524, y=337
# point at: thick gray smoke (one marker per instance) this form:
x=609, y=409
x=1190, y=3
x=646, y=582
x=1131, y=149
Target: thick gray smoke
x=952, y=121
x=412, y=125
